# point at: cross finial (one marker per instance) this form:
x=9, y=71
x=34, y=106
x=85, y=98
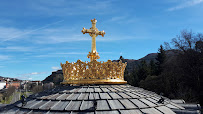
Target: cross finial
x=94, y=20
x=93, y=32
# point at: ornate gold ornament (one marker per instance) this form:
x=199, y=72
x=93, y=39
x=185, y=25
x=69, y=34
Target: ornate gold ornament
x=93, y=72
x=93, y=32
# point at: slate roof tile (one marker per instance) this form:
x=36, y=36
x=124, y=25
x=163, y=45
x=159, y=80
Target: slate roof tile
x=97, y=99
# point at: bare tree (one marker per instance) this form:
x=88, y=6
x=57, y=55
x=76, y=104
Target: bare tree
x=186, y=40
x=37, y=89
x=9, y=91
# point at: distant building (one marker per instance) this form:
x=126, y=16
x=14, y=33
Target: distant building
x=36, y=82
x=16, y=84
x=1, y=79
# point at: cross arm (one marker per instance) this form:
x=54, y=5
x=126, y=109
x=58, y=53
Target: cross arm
x=102, y=33
x=86, y=31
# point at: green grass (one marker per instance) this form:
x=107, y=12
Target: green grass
x=8, y=100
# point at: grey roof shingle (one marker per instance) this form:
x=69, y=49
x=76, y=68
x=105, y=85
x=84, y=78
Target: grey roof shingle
x=96, y=99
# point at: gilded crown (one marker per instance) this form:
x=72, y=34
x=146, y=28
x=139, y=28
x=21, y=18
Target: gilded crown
x=94, y=72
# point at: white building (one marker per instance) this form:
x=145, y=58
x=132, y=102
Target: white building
x=2, y=85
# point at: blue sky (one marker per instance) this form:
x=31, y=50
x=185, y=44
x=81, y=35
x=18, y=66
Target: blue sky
x=37, y=35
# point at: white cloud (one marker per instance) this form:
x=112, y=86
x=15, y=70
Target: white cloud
x=4, y=57
x=71, y=53
x=43, y=35
x=62, y=7
x=55, y=68
x=118, y=18
x=24, y=77
x=7, y=34
x=62, y=54
x=185, y=4
x=105, y=52
x=42, y=56
x=17, y=48
x=48, y=35
x=33, y=73
x=123, y=19
x=29, y=76
x=29, y=50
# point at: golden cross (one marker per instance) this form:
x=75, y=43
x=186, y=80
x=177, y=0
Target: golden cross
x=93, y=32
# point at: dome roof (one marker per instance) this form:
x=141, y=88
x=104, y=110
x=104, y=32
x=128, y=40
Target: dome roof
x=112, y=99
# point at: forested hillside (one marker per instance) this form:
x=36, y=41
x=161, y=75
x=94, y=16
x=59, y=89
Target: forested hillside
x=176, y=70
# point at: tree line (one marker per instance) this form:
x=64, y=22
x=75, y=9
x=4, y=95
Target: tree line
x=176, y=71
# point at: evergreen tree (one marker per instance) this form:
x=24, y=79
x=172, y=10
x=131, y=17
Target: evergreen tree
x=143, y=71
x=152, y=68
x=160, y=60
x=135, y=77
x=122, y=59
